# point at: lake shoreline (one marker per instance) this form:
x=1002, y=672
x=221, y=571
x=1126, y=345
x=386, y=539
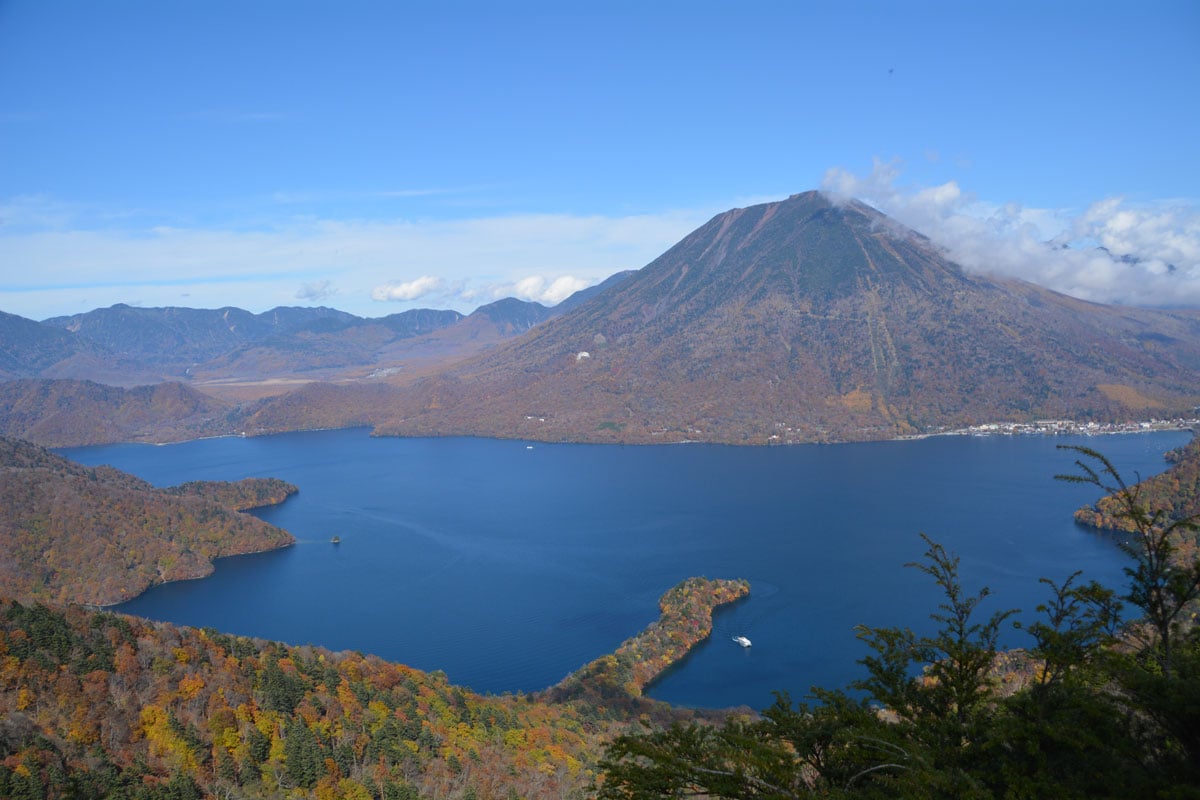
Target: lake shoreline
x=510, y=568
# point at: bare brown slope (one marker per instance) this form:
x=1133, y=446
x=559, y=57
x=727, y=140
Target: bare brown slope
x=807, y=320
x=70, y=533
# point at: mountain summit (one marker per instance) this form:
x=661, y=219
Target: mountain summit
x=809, y=319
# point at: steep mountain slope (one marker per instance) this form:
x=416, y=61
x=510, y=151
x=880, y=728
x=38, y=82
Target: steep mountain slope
x=583, y=295
x=29, y=348
x=808, y=320
x=801, y=320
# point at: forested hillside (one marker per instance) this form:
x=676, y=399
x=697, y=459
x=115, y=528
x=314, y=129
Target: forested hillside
x=70, y=533
x=1176, y=491
x=64, y=413
x=101, y=705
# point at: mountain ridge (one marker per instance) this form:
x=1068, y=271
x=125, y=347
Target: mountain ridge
x=803, y=320
x=128, y=345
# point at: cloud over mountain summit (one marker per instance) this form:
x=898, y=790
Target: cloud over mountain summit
x=1113, y=251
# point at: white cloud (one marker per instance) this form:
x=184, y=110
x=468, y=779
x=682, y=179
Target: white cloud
x=316, y=291
x=1111, y=252
x=541, y=289
x=563, y=287
x=408, y=290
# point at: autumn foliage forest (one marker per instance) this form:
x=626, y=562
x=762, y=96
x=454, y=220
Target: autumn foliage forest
x=1175, y=492
x=102, y=705
x=685, y=620
x=75, y=534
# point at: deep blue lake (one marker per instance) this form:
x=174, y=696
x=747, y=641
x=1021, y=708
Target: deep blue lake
x=509, y=567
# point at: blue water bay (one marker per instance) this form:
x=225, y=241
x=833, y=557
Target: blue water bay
x=508, y=564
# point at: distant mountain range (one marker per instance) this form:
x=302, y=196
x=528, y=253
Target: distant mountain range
x=800, y=320
x=127, y=345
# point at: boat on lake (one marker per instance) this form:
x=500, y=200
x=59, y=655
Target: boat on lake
x=742, y=640
x=336, y=540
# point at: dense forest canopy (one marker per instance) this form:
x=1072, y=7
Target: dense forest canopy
x=75, y=534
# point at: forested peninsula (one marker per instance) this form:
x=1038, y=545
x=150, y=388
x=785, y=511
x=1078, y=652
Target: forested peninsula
x=76, y=534
x=1175, y=494
x=103, y=705
x=685, y=621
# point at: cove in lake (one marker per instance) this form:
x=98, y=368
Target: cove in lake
x=508, y=566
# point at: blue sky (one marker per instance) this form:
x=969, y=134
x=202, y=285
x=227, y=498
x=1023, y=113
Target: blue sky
x=381, y=156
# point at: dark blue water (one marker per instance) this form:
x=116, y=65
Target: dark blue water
x=508, y=567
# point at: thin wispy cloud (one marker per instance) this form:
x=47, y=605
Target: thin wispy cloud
x=233, y=116
x=305, y=197
x=1113, y=251
x=445, y=263
x=316, y=291
x=33, y=212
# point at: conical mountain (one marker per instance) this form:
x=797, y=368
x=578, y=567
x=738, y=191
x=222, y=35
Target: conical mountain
x=812, y=320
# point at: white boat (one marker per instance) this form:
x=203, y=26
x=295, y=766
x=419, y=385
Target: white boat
x=742, y=640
